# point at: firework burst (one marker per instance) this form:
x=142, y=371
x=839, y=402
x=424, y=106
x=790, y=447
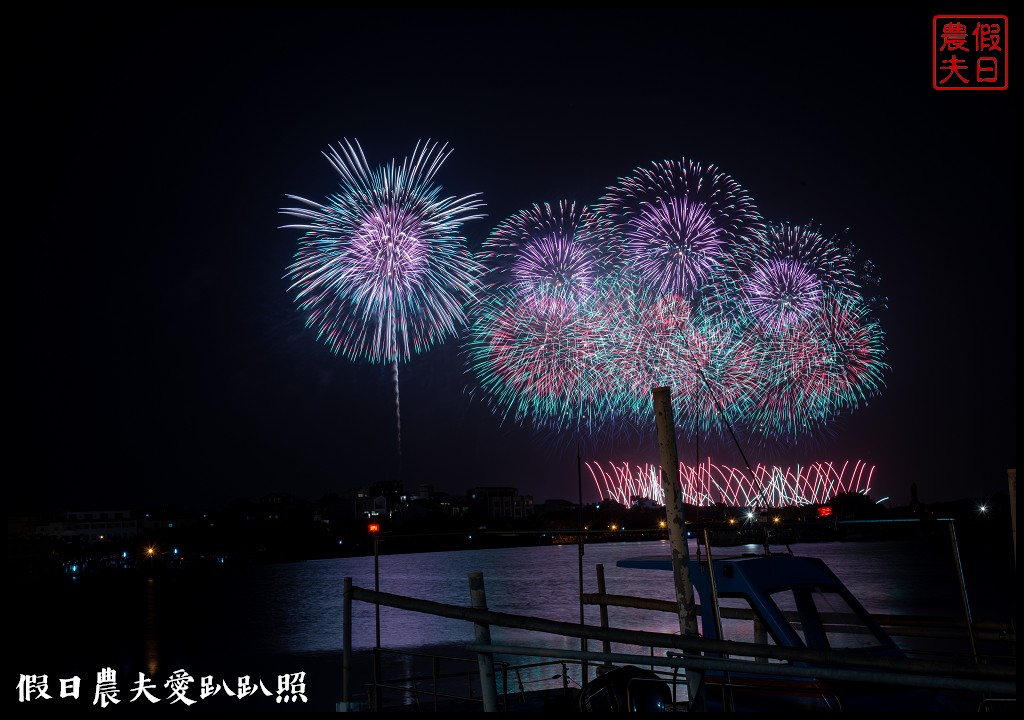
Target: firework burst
x=696, y=348
x=642, y=337
x=788, y=269
x=853, y=342
x=552, y=254
x=679, y=221
x=816, y=371
x=673, y=279
x=538, y=362
x=382, y=272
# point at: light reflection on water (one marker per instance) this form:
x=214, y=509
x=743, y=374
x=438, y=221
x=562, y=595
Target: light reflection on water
x=305, y=599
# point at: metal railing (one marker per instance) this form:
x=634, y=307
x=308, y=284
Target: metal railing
x=992, y=683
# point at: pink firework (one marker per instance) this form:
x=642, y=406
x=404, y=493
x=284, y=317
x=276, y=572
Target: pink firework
x=709, y=484
x=537, y=362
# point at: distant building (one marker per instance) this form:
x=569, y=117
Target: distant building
x=92, y=525
x=334, y=510
x=424, y=492
x=449, y=505
x=499, y=502
x=555, y=506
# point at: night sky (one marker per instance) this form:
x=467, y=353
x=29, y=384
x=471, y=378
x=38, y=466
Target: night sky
x=157, y=356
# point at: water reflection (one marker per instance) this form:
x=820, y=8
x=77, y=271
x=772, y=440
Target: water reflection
x=903, y=576
x=152, y=652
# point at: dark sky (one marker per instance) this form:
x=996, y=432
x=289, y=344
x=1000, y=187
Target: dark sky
x=158, y=357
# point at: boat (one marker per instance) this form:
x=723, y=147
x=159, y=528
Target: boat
x=780, y=601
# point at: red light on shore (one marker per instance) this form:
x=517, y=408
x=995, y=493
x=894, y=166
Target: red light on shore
x=373, y=527
x=824, y=511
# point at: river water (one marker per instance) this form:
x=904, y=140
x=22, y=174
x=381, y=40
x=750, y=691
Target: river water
x=268, y=621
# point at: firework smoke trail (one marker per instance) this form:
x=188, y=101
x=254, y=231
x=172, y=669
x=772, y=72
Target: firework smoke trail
x=382, y=272
x=679, y=222
x=398, y=413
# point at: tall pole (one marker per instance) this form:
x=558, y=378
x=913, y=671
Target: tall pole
x=377, y=678
x=676, y=532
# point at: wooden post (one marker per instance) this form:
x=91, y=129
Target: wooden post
x=482, y=633
x=677, y=533
x=606, y=645
x=346, y=663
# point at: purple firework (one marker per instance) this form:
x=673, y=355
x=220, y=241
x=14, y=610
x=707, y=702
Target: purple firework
x=787, y=270
x=679, y=222
x=552, y=255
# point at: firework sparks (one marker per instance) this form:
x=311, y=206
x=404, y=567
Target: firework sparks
x=820, y=369
x=538, y=362
x=382, y=272
x=680, y=221
x=551, y=253
x=709, y=484
x=788, y=269
x=673, y=279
